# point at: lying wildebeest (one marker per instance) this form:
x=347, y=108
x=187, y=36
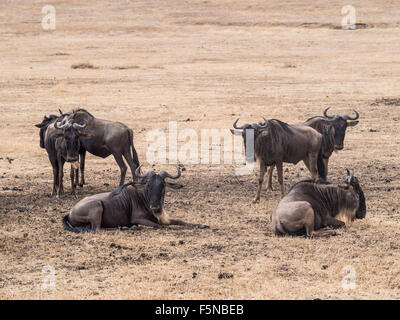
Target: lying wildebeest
x=138, y=202
x=310, y=206
x=319, y=123
x=56, y=147
x=106, y=138
x=276, y=142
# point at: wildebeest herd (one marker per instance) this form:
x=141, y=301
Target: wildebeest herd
x=312, y=207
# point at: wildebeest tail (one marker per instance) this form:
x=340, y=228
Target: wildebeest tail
x=134, y=154
x=321, y=166
x=68, y=227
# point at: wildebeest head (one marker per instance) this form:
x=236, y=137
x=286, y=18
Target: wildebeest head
x=256, y=127
x=328, y=140
x=155, y=186
x=352, y=183
x=71, y=132
x=341, y=123
x=47, y=119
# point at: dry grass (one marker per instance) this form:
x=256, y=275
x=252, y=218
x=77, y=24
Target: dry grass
x=83, y=65
x=211, y=63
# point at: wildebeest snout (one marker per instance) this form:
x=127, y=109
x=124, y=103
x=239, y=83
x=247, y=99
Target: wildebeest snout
x=72, y=158
x=339, y=147
x=156, y=208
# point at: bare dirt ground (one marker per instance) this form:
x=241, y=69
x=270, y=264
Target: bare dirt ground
x=209, y=62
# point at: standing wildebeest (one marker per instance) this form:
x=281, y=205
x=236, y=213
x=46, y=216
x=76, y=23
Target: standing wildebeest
x=106, y=138
x=340, y=123
x=56, y=147
x=310, y=206
x=276, y=142
x=138, y=202
x=319, y=123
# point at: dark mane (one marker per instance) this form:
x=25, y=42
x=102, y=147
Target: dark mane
x=82, y=110
x=119, y=189
x=284, y=125
x=312, y=118
x=312, y=181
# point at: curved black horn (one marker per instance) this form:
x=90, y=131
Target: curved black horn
x=347, y=117
x=265, y=123
x=137, y=172
x=326, y=113
x=235, y=124
x=164, y=174
x=350, y=176
x=61, y=113
x=62, y=126
x=79, y=126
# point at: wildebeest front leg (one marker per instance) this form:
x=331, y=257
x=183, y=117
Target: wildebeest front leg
x=309, y=224
x=279, y=168
x=60, y=178
x=73, y=184
x=54, y=165
x=148, y=223
x=122, y=166
x=183, y=223
x=260, y=181
x=269, y=174
x=312, y=162
x=326, y=161
x=334, y=223
x=76, y=177
x=82, y=167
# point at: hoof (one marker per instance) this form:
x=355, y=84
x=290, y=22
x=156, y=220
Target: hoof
x=58, y=197
x=74, y=196
x=255, y=201
x=204, y=226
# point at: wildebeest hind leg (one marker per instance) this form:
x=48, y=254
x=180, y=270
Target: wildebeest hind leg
x=260, y=181
x=129, y=160
x=122, y=166
x=95, y=217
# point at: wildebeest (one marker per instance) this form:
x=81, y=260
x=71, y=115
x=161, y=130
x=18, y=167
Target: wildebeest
x=320, y=123
x=276, y=142
x=57, y=150
x=106, y=138
x=140, y=202
x=310, y=206
x=340, y=123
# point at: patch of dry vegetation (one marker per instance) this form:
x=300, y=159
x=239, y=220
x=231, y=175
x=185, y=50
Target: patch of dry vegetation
x=83, y=65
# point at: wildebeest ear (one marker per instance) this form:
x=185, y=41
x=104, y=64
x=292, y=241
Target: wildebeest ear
x=40, y=125
x=236, y=132
x=174, y=185
x=352, y=123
